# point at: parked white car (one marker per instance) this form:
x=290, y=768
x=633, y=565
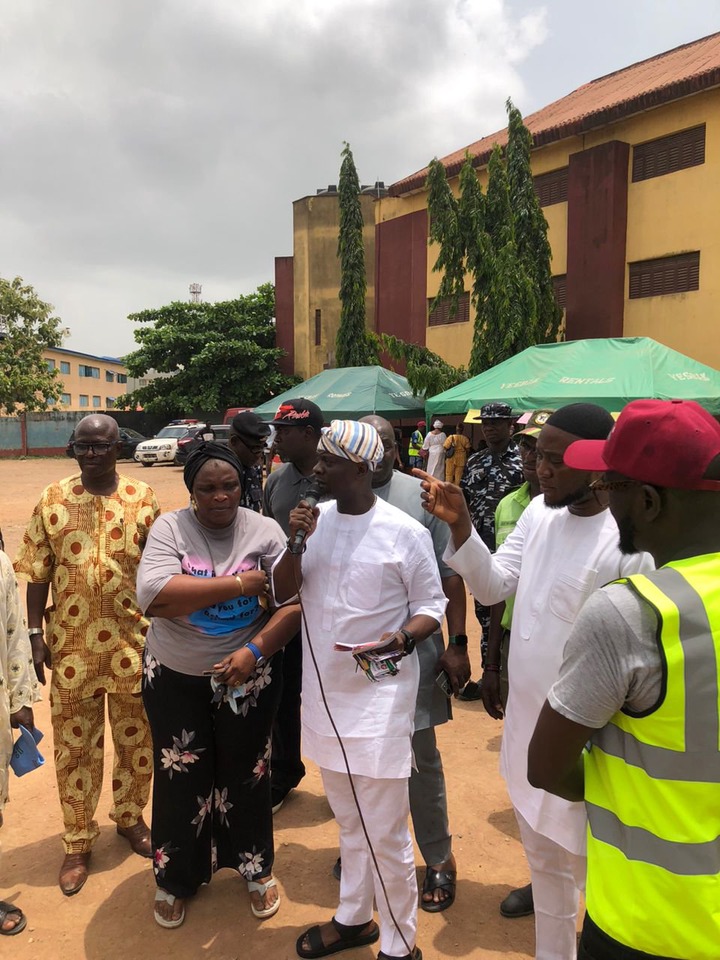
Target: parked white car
x=163, y=447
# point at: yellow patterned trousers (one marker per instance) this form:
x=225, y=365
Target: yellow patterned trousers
x=453, y=471
x=79, y=734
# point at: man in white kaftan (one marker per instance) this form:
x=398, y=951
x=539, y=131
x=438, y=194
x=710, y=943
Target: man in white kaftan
x=564, y=547
x=369, y=573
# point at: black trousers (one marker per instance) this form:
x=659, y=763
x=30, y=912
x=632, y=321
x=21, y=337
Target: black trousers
x=288, y=768
x=211, y=792
x=595, y=944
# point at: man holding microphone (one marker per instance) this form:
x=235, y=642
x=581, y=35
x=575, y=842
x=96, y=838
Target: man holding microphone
x=368, y=573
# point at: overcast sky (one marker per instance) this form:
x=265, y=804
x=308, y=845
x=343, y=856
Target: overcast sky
x=148, y=144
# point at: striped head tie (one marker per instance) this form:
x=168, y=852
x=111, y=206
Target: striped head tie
x=353, y=441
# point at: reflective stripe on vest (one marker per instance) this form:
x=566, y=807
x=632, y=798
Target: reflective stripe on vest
x=652, y=784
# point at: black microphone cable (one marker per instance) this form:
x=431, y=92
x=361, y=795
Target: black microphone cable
x=356, y=800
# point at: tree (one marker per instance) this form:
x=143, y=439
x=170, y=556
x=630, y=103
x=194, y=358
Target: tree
x=531, y=227
x=27, y=327
x=426, y=372
x=446, y=231
x=506, y=309
x=354, y=347
x=501, y=241
x=214, y=355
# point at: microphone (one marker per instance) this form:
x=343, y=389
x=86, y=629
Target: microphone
x=312, y=496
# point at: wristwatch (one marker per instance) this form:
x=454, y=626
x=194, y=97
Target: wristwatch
x=409, y=641
x=35, y=631
x=256, y=652
x=458, y=640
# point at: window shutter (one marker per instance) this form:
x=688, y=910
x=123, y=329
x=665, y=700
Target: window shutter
x=441, y=314
x=551, y=187
x=665, y=275
x=677, y=151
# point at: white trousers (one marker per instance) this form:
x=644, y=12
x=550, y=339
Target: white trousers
x=557, y=877
x=385, y=807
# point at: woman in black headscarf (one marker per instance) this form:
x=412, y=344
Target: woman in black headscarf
x=211, y=686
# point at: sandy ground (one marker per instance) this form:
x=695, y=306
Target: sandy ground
x=112, y=916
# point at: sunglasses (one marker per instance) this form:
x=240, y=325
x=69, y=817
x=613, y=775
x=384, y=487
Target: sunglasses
x=97, y=448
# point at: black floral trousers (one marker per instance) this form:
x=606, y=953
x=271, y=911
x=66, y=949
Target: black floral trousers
x=211, y=791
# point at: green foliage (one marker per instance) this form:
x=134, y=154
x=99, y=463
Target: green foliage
x=214, y=355
x=27, y=327
x=445, y=230
x=353, y=345
x=500, y=241
x=504, y=297
x=426, y=372
x=531, y=228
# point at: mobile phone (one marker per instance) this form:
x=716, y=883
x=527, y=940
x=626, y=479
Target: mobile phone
x=443, y=681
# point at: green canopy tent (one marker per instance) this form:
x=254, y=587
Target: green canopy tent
x=609, y=372
x=347, y=393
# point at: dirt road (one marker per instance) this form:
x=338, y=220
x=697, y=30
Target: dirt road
x=111, y=918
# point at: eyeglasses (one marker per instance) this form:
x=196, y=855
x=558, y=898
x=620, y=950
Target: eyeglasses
x=97, y=448
x=610, y=485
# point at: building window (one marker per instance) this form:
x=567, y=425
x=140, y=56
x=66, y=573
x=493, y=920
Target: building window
x=86, y=371
x=97, y=402
x=440, y=315
x=50, y=364
x=109, y=376
x=560, y=289
x=551, y=187
x=656, y=278
x=318, y=327
x=84, y=400
x=66, y=399
x=50, y=401
x=109, y=403
x=122, y=378
x=64, y=366
x=668, y=154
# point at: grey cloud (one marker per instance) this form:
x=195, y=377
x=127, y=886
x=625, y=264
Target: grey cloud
x=147, y=145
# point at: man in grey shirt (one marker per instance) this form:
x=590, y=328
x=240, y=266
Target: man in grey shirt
x=638, y=686
x=298, y=424
x=428, y=799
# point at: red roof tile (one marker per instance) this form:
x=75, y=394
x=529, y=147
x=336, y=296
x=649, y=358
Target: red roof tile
x=668, y=76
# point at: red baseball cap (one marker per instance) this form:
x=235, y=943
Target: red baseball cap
x=667, y=443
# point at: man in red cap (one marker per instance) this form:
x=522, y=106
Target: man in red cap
x=639, y=681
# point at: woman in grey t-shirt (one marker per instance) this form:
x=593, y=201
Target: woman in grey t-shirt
x=210, y=687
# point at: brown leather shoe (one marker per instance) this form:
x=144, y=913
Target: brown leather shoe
x=138, y=836
x=74, y=872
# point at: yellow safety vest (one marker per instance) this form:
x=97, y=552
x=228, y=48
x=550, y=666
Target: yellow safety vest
x=415, y=445
x=652, y=783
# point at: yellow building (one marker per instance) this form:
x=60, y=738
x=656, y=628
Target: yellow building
x=627, y=168
x=307, y=284
x=89, y=382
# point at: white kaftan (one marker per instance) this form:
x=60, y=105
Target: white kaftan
x=363, y=576
x=435, y=445
x=18, y=683
x=553, y=561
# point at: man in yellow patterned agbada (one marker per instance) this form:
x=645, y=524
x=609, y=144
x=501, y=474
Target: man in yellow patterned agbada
x=84, y=540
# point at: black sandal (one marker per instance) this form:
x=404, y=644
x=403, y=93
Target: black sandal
x=350, y=936
x=439, y=880
x=6, y=909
